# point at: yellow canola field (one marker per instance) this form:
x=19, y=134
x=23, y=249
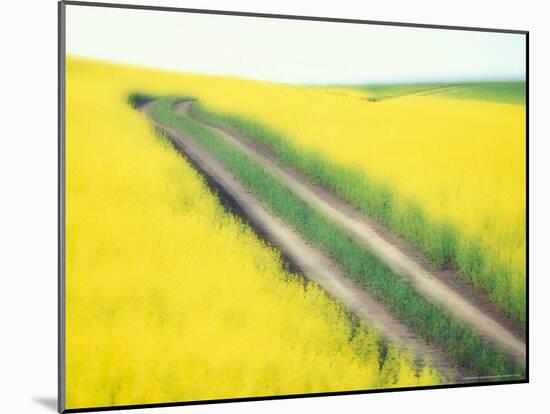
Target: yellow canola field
x=171, y=298
x=462, y=162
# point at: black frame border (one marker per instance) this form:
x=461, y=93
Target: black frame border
x=61, y=298
x=61, y=51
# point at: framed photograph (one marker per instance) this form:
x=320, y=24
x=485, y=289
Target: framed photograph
x=268, y=206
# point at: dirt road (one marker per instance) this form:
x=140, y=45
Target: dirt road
x=442, y=287
x=311, y=261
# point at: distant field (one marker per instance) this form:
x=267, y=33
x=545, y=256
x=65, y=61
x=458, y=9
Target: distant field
x=170, y=297
x=379, y=92
x=505, y=92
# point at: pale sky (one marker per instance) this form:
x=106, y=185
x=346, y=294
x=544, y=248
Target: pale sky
x=291, y=50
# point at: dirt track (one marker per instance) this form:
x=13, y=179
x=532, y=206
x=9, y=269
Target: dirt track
x=442, y=287
x=312, y=262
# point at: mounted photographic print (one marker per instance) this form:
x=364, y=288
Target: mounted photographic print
x=262, y=206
